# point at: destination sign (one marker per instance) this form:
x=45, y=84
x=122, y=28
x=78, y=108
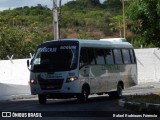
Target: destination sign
x=68, y=47
x=45, y=49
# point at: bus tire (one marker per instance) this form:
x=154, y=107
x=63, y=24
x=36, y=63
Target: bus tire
x=42, y=99
x=119, y=91
x=116, y=94
x=83, y=97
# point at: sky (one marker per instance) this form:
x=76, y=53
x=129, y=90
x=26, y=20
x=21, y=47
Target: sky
x=10, y=4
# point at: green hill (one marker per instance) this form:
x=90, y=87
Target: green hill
x=23, y=28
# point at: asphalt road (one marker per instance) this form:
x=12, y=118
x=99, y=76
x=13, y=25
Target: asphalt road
x=97, y=107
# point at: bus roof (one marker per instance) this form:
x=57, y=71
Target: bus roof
x=106, y=43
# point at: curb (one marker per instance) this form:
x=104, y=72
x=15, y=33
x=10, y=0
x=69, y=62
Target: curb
x=23, y=96
x=16, y=97
x=140, y=107
x=141, y=87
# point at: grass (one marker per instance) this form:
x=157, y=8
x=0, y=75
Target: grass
x=151, y=98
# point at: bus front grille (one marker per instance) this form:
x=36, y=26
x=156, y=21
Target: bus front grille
x=50, y=84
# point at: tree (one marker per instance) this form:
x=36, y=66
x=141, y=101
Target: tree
x=110, y=4
x=144, y=18
x=89, y=3
x=117, y=24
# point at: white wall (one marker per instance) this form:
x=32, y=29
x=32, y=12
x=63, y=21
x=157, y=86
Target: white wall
x=14, y=72
x=148, y=61
x=14, y=75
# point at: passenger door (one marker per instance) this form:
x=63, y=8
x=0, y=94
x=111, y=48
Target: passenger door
x=87, y=59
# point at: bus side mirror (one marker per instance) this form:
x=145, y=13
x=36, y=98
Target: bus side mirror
x=28, y=63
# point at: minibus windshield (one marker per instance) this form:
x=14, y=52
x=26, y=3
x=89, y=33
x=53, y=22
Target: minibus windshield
x=55, y=58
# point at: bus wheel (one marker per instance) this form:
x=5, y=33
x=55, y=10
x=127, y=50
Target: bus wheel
x=119, y=91
x=116, y=94
x=83, y=97
x=42, y=99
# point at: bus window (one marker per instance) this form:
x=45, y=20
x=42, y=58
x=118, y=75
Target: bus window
x=132, y=56
x=99, y=53
x=126, y=56
x=83, y=57
x=91, y=56
x=117, y=56
x=109, y=56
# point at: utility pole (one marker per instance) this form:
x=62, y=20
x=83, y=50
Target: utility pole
x=124, y=25
x=55, y=20
x=59, y=18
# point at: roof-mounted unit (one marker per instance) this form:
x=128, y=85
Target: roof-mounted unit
x=114, y=39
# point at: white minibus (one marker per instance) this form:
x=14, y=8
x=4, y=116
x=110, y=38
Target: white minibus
x=78, y=68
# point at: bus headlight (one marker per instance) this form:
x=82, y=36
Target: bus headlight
x=71, y=79
x=33, y=82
